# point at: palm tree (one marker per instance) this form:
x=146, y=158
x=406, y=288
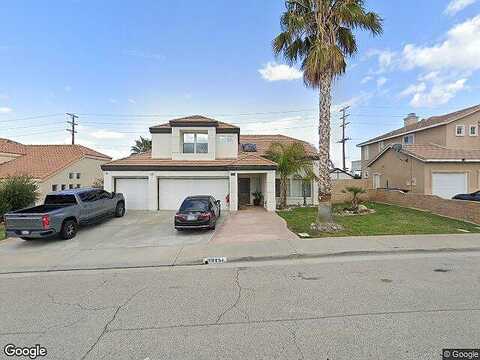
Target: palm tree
x=356, y=192
x=319, y=34
x=141, y=145
x=291, y=159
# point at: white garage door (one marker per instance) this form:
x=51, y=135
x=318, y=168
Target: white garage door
x=446, y=185
x=171, y=192
x=135, y=192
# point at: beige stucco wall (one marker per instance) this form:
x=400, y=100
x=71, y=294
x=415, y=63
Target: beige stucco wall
x=88, y=168
x=471, y=169
x=162, y=146
x=396, y=172
x=177, y=143
x=226, y=146
x=466, y=141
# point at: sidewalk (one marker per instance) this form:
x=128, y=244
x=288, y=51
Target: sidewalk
x=150, y=256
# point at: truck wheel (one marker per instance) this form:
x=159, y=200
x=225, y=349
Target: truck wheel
x=69, y=229
x=120, y=210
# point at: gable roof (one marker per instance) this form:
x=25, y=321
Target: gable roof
x=434, y=153
x=11, y=147
x=263, y=142
x=43, y=161
x=194, y=120
x=338, y=170
x=424, y=124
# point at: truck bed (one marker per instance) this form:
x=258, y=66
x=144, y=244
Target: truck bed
x=40, y=209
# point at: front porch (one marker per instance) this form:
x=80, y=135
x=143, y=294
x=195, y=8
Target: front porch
x=246, y=186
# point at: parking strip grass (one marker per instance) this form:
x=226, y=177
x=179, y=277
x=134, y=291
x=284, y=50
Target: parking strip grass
x=2, y=232
x=387, y=220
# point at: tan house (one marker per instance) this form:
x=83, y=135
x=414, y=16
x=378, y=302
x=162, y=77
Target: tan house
x=197, y=155
x=439, y=155
x=54, y=167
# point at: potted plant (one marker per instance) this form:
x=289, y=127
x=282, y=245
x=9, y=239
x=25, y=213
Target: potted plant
x=257, y=198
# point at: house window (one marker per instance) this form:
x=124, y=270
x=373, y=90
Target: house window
x=300, y=188
x=409, y=139
x=195, y=143
x=70, y=186
x=366, y=154
x=71, y=175
x=64, y=186
x=460, y=130
x=78, y=175
x=473, y=130
x=381, y=146
x=79, y=186
x=54, y=187
x=277, y=188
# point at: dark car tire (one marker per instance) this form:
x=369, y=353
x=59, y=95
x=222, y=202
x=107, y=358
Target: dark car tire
x=178, y=229
x=120, y=210
x=212, y=227
x=26, y=239
x=69, y=229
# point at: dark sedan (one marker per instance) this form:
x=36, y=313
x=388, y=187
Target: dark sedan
x=475, y=196
x=198, y=212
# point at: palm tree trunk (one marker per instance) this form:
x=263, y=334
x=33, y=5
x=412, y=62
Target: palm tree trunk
x=283, y=195
x=324, y=184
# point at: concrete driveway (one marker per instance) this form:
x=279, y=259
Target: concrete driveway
x=149, y=235
x=253, y=224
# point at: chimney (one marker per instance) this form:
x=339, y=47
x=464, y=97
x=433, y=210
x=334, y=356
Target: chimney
x=411, y=119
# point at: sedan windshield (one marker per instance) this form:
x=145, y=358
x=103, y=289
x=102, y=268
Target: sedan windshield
x=194, y=205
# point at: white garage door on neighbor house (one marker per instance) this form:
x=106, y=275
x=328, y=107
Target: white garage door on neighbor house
x=135, y=191
x=447, y=185
x=172, y=191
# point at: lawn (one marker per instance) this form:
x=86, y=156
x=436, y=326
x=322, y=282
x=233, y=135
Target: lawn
x=2, y=232
x=387, y=220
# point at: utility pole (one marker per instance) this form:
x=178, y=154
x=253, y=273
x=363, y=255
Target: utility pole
x=344, y=139
x=72, y=124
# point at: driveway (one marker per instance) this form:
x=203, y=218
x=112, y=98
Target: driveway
x=253, y=224
x=145, y=234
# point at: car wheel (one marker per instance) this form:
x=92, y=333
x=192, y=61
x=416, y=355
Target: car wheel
x=212, y=227
x=178, y=229
x=26, y=239
x=120, y=210
x=69, y=229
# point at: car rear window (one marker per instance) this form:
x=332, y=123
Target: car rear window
x=194, y=205
x=60, y=199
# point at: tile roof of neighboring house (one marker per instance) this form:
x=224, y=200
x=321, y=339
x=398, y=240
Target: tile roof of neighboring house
x=263, y=142
x=43, y=161
x=425, y=123
x=194, y=119
x=435, y=153
x=11, y=147
x=145, y=160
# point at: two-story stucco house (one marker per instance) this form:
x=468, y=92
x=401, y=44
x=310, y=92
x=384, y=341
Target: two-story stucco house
x=439, y=155
x=197, y=155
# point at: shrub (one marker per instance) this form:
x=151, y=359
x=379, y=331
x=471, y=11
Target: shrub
x=17, y=192
x=355, y=191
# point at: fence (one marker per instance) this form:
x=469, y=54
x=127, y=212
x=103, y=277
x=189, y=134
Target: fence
x=338, y=197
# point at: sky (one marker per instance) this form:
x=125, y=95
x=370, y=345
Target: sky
x=123, y=66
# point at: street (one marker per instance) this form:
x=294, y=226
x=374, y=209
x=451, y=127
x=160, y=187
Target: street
x=357, y=307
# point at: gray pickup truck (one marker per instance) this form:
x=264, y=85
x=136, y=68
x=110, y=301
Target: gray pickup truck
x=62, y=213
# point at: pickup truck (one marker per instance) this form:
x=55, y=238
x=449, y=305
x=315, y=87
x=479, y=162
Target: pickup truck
x=63, y=212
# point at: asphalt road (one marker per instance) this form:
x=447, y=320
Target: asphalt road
x=378, y=307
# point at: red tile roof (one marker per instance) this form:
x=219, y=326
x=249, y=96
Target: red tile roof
x=11, y=147
x=42, y=161
x=426, y=123
x=433, y=152
x=195, y=119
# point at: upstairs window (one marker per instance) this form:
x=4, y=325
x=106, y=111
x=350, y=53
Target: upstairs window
x=473, y=130
x=195, y=143
x=460, y=130
x=409, y=139
x=366, y=154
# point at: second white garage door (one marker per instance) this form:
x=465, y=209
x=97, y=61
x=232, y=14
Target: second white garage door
x=171, y=192
x=447, y=185
x=135, y=191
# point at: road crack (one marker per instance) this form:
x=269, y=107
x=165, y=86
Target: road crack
x=239, y=290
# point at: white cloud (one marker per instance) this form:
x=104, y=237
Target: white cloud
x=386, y=59
x=459, y=51
x=366, y=79
x=458, y=5
x=5, y=110
x=275, y=72
x=381, y=81
x=106, y=134
x=132, y=101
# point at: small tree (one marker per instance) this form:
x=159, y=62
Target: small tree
x=355, y=191
x=98, y=183
x=17, y=192
x=141, y=145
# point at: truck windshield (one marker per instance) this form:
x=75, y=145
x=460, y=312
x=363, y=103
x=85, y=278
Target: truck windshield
x=60, y=200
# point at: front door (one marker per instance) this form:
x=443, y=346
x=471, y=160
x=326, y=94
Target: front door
x=244, y=191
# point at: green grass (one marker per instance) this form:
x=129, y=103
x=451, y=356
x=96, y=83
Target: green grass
x=387, y=220
x=2, y=232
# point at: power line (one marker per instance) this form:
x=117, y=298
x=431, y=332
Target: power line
x=344, y=139
x=31, y=118
x=73, y=124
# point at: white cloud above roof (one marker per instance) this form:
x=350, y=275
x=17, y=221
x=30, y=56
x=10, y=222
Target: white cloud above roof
x=278, y=72
x=458, y=5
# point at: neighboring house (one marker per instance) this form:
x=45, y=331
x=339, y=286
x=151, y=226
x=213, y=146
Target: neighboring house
x=53, y=167
x=356, y=168
x=339, y=174
x=197, y=155
x=439, y=155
